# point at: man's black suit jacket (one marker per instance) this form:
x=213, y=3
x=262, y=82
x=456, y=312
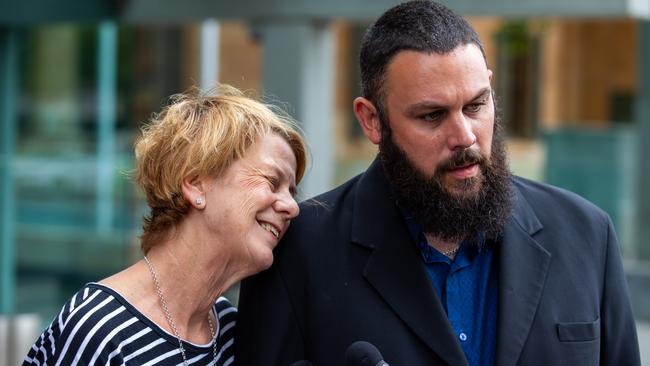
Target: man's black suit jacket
x=348, y=270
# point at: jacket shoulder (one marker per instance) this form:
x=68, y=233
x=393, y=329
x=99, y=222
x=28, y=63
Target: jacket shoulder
x=553, y=204
x=323, y=216
x=540, y=192
x=330, y=201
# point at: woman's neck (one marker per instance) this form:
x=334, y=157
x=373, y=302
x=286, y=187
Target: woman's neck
x=190, y=281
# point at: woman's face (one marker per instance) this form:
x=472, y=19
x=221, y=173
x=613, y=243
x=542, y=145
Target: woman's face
x=250, y=205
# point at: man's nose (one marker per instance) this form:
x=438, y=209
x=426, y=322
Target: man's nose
x=461, y=132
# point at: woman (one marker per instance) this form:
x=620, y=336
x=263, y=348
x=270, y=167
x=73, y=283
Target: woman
x=219, y=175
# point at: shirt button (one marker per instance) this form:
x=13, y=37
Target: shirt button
x=462, y=337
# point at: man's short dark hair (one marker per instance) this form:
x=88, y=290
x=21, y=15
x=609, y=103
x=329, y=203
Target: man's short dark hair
x=423, y=26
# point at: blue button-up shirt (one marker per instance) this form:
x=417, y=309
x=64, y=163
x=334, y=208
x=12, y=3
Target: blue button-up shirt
x=467, y=288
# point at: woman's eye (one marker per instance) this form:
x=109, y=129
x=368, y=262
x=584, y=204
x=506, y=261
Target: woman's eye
x=274, y=181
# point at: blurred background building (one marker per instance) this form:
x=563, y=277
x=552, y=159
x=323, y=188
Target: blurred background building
x=78, y=78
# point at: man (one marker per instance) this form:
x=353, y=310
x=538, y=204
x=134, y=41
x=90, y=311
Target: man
x=436, y=254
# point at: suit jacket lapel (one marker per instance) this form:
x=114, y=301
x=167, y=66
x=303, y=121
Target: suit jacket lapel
x=523, y=266
x=394, y=267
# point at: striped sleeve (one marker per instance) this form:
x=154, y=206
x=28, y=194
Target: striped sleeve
x=46, y=347
x=99, y=327
x=77, y=334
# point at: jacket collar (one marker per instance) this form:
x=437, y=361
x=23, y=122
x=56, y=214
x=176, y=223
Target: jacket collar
x=523, y=268
x=394, y=268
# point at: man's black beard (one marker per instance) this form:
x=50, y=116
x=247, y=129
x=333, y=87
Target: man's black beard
x=480, y=205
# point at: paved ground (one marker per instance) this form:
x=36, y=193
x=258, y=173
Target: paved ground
x=644, y=342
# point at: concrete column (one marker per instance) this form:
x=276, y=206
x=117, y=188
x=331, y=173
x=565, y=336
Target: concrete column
x=643, y=123
x=17, y=334
x=8, y=92
x=298, y=69
x=209, y=54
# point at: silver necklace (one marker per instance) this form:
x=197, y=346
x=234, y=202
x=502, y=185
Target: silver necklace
x=451, y=253
x=168, y=315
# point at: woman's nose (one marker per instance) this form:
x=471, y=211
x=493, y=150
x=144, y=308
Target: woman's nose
x=287, y=205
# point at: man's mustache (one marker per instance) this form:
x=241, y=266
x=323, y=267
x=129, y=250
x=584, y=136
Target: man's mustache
x=462, y=158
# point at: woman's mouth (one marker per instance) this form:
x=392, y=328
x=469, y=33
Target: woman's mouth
x=270, y=228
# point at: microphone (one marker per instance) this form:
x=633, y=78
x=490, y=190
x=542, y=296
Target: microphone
x=302, y=363
x=362, y=353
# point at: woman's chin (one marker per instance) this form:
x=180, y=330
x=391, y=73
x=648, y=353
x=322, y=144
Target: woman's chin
x=263, y=261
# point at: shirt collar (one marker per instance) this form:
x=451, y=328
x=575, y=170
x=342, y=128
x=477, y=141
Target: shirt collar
x=468, y=251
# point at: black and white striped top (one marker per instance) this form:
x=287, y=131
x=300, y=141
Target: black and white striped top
x=99, y=327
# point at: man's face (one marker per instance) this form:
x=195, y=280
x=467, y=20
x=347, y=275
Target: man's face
x=441, y=114
x=441, y=146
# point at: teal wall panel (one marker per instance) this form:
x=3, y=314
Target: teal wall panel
x=8, y=91
x=600, y=166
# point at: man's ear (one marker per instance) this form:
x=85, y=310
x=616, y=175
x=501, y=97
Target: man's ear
x=368, y=119
x=194, y=189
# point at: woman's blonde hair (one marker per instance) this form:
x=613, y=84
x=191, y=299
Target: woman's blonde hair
x=197, y=135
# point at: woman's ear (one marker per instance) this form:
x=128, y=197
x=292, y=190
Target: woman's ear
x=194, y=189
x=368, y=119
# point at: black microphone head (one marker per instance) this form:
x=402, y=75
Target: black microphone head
x=362, y=353
x=302, y=363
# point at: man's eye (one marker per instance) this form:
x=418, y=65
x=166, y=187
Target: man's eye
x=475, y=107
x=432, y=116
